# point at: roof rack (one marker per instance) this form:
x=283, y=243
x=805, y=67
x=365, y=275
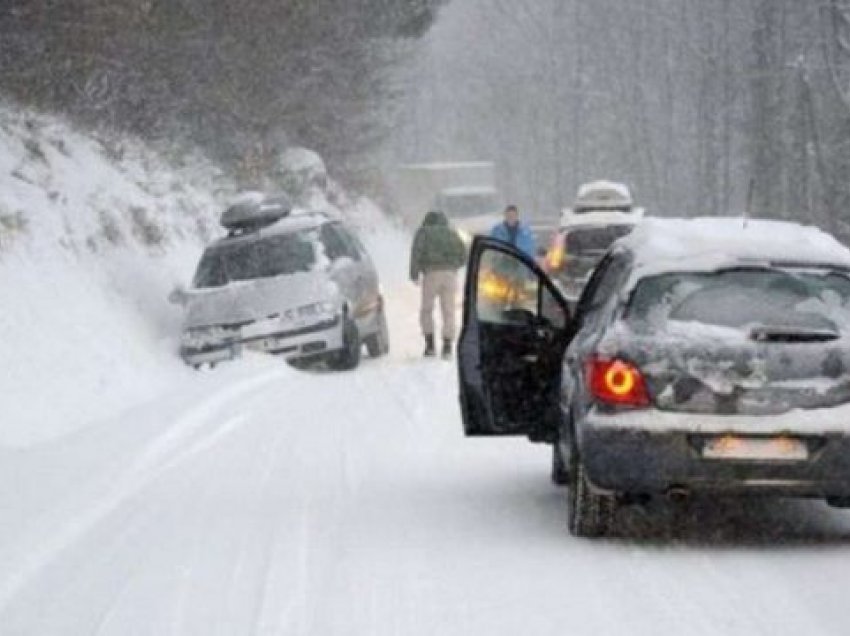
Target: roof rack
x=603, y=195
x=253, y=211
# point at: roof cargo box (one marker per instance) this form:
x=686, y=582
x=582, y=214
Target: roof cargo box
x=255, y=210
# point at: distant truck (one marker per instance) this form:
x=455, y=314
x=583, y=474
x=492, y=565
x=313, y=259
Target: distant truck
x=465, y=191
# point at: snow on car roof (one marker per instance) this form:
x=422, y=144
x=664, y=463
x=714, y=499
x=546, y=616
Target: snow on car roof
x=712, y=243
x=606, y=195
x=590, y=189
x=255, y=209
x=297, y=220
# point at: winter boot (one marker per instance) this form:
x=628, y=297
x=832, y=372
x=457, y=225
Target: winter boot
x=429, y=346
x=447, y=349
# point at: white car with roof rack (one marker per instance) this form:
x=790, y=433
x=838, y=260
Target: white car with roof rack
x=603, y=212
x=297, y=284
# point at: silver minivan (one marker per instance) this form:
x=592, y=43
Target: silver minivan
x=300, y=285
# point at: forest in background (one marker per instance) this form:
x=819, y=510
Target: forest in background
x=689, y=101
x=239, y=79
x=686, y=100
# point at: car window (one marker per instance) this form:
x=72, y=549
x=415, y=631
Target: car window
x=510, y=292
x=603, y=282
x=262, y=258
x=745, y=299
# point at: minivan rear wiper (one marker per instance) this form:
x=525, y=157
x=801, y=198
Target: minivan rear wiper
x=792, y=335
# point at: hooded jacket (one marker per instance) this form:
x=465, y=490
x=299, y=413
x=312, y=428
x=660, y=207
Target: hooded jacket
x=436, y=247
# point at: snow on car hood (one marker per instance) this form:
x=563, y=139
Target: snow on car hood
x=243, y=302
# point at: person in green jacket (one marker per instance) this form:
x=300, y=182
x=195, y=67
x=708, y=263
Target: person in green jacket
x=437, y=253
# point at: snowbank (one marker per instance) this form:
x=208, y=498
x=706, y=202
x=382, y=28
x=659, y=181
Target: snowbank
x=92, y=236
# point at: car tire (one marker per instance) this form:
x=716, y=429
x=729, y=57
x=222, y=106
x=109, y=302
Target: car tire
x=378, y=344
x=349, y=356
x=589, y=514
x=560, y=474
x=838, y=502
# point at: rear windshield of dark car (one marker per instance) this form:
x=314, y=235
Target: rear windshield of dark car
x=263, y=258
x=594, y=239
x=745, y=298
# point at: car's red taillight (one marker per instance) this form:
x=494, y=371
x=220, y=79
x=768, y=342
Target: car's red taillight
x=616, y=382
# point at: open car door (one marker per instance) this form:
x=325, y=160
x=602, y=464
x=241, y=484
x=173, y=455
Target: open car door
x=516, y=326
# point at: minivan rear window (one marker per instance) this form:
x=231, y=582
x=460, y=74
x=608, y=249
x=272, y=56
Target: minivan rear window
x=594, y=239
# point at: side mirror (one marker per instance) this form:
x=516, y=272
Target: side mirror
x=178, y=296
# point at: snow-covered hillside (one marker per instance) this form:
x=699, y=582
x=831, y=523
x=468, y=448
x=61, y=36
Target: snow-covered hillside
x=93, y=235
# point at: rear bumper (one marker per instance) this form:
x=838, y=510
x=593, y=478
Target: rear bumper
x=308, y=342
x=653, y=452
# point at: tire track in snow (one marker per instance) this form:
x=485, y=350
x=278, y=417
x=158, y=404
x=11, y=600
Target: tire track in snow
x=92, y=578
x=302, y=547
x=162, y=455
x=255, y=542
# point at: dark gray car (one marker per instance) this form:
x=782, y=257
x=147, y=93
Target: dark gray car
x=703, y=356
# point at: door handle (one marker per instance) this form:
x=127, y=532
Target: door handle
x=530, y=357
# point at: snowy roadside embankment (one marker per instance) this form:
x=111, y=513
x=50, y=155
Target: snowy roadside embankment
x=93, y=236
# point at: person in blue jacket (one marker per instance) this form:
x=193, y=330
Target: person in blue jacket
x=514, y=232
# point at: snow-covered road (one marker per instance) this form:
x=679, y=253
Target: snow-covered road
x=261, y=500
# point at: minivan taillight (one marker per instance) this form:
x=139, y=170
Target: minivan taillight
x=616, y=382
x=557, y=252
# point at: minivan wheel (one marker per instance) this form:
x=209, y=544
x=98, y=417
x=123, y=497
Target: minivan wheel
x=378, y=344
x=349, y=356
x=838, y=502
x=589, y=514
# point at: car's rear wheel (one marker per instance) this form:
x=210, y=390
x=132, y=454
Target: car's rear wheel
x=349, y=356
x=378, y=344
x=589, y=513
